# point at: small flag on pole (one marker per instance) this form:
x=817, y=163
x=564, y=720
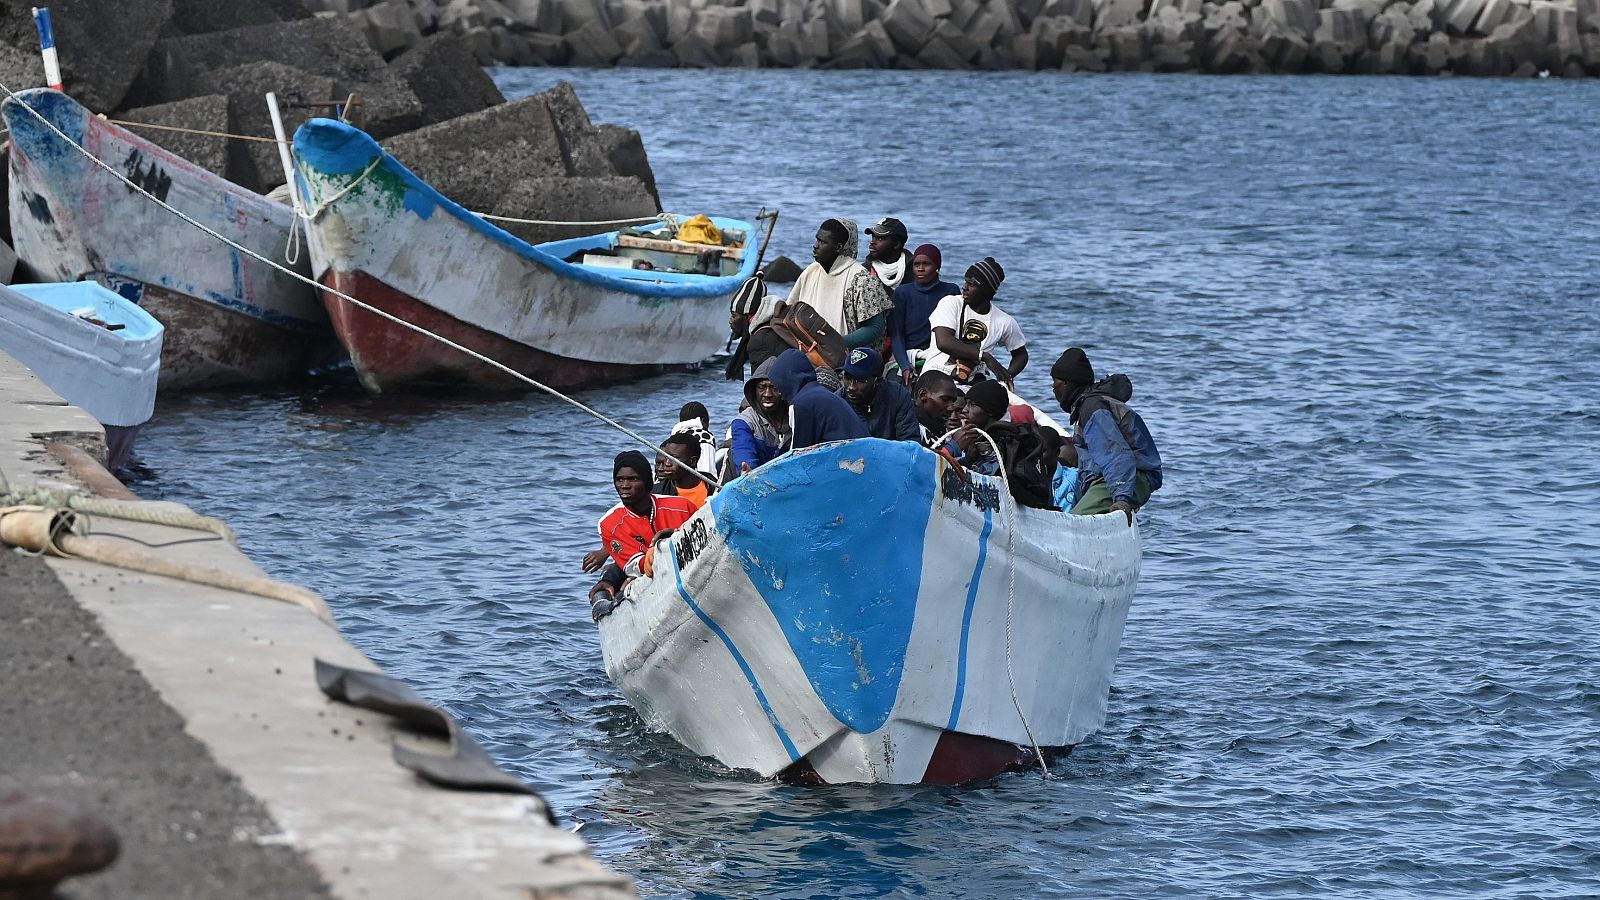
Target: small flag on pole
x=47, y=47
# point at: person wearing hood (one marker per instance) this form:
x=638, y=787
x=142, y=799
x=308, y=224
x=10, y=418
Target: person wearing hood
x=840, y=289
x=887, y=258
x=1119, y=466
x=885, y=406
x=760, y=433
x=969, y=328
x=914, y=302
x=816, y=414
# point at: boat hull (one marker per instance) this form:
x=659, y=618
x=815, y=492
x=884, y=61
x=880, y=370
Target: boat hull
x=389, y=240
x=231, y=320
x=861, y=612
x=387, y=355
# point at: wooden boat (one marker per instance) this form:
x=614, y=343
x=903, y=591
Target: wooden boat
x=385, y=237
x=230, y=319
x=91, y=346
x=863, y=612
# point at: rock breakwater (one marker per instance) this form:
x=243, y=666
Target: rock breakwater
x=1415, y=37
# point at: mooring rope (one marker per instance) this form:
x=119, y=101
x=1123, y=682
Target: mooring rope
x=1009, y=504
x=116, y=509
x=495, y=364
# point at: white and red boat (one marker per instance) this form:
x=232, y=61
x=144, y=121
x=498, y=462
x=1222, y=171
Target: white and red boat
x=568, y=313
x=861, y=611
x=230, y=319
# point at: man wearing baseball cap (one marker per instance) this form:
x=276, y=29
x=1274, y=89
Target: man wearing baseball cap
x=885, y=407
x=886, y=254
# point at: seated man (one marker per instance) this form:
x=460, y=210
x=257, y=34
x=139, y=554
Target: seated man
x=968, y=329
x=760, y=433
x=1119, y=466
x=816, y=414
x=694, y=419
x=629, y=528
x=1027, y=453
x=937, y=398
x=986, y=405
x=884, y=406
x=677, y=468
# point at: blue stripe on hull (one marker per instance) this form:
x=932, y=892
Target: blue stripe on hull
x=966, y=618
x=749, y=674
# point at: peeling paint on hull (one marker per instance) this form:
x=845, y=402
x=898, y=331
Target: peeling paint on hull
x=386, y=355
x=230, y=319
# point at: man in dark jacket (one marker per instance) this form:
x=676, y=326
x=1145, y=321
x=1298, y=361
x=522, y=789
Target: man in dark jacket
x=885, y=407
x=1119, y=466
x=816, y=414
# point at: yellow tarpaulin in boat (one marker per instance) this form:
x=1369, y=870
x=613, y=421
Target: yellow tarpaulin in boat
x=699, y=230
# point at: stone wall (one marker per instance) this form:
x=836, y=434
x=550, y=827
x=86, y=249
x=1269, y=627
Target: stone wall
x=1417, y=37
x=206, y=67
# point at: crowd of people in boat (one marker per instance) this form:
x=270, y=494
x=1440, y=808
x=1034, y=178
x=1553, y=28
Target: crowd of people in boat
x=918, y=363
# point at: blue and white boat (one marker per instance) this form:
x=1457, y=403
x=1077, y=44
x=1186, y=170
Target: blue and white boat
x=584, y=311
x=97, y=350
x=231, y=319
x=865, y=612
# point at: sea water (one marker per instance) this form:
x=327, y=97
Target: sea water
x=1360, y=318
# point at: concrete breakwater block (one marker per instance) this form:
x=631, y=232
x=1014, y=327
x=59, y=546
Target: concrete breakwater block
x=254, y=164
x=102, y=44
x=442, y=72
x=539, y=158
x=204, y=113
x=1206, y=35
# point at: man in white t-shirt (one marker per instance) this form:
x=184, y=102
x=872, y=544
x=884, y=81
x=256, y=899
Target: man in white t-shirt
x=967, y=329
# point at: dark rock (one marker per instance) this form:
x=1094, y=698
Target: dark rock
x=332, y=48
x=253, y=164
x=692, y=52
x=936, y=54
x=474, y=159
x=625, y=152
x=558, y=198
x=445, y=77
x=593, y=45
x=102, y=44
x=390, y=27
x=208, y=113
x=782, y=270
x=203, y=16
x=20, y=68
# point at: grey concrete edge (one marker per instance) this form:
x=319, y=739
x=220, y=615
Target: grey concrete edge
x=238, y=670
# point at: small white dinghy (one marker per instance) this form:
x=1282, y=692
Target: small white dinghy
x=864, y=612
x=98, y=351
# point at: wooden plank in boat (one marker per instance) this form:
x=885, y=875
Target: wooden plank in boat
x=628, y=240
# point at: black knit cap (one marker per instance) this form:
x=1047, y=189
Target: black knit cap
x=991, y=397
x=988, y=273
x=1073, y=367
x=632, y=459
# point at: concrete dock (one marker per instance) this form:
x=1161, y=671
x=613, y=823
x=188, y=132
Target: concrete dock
x=188, y=718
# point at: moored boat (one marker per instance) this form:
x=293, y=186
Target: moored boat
x=865, y=612
x=230, y=318
x=91, y=346
x=575, y=312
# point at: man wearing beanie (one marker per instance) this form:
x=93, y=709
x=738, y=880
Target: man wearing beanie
x=914, y=301
x=969, y=328
x=628, y=529
x=1119, y=466
x=885, y=407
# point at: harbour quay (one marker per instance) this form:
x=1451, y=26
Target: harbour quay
x=187, y=732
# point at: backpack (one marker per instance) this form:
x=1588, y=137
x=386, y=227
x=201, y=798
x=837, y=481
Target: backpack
x=1029, y=455
x=805, y=328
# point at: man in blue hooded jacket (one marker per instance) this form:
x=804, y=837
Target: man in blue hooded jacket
x=884, y=406
x=1119, y=466
x=816, y=414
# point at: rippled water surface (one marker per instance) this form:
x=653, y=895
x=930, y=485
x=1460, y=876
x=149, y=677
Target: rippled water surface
x=1360, y=315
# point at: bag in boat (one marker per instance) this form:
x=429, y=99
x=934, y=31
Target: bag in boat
x=1029, y=454
x=805, y=328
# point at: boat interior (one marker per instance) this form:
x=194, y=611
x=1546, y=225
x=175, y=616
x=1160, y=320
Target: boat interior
x=657, y=252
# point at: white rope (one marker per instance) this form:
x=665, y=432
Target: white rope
x=1009, y=504
x=346, y=297
x=316, y=212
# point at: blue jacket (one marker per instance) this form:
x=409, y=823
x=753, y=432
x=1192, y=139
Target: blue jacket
x=908, y=321
x=816, y=414
x=892, y=414
x=1114, y=446
x=756, y=440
